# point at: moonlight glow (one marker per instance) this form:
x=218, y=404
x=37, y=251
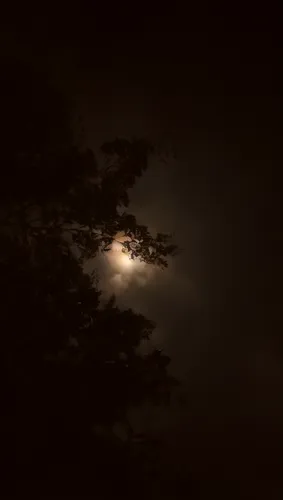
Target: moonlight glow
x=121, y=260
x=125, y=271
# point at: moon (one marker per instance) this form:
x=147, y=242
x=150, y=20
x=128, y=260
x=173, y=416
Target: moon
x=120, y=260
x=124, y=271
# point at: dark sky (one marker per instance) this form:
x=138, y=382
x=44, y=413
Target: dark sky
x=203, y=84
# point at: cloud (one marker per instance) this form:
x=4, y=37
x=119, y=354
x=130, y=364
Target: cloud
x=118, y=273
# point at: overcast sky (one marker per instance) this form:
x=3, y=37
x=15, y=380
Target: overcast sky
x=205, y=88
x=208, y=92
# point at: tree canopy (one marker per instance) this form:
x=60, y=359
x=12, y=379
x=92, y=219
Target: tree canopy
x=69, y=363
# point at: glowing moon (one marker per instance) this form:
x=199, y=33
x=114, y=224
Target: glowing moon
x=125, y=271
x=120, y=260
x=125, y=262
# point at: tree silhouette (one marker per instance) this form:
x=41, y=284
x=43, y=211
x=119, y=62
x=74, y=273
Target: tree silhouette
x=48, y=184
x=69, y=365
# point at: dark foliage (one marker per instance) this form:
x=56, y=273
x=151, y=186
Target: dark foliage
x=69, y=366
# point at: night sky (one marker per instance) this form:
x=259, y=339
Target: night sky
x=203, y=87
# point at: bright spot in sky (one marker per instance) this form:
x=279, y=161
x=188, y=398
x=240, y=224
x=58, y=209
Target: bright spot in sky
x=120, y=259
x=125, y=262
x=126, y=271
